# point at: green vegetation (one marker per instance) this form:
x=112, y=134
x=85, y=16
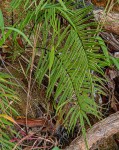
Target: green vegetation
x=67, y=42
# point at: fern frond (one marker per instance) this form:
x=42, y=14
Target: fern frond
x=76, y=59
x=75, y=74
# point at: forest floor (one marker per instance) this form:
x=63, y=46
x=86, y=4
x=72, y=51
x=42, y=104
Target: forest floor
x=41, y=119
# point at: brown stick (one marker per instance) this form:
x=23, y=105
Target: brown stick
x=101, y=130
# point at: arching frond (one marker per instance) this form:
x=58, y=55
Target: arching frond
x=76, y=61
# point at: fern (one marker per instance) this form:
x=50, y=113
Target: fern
x=75, y=59
x=7, y=98
x=69, y=57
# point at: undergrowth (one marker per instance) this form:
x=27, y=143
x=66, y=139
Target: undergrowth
x=67, y=41
x=7, y=98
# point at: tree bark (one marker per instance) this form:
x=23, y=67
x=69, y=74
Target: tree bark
x=110, y=21
x=100, y=131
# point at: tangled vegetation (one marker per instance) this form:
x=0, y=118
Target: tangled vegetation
x=70, y=64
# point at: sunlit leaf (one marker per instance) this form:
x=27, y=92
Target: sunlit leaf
x=51, y=57
x=8, y=118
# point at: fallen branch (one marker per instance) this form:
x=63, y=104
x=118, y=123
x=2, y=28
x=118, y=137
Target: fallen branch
x=110, y=21
x=101, y=130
